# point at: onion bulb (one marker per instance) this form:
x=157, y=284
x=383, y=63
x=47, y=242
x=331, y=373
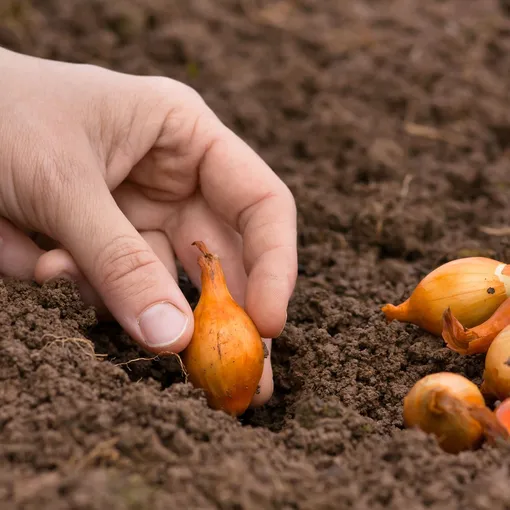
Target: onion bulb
x=496, y=376
x=226, y=354
x=502, y=413
x=478, y=339
x=473, y=288
x=453, y=409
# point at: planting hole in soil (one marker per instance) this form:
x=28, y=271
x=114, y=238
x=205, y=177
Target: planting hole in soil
x=390, y=123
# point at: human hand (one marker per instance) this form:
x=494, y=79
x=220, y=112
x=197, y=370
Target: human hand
x=120, y=174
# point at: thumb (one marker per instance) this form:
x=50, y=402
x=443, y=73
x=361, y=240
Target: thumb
x=133, y=283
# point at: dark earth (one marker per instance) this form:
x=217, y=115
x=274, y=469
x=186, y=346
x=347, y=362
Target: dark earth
x=390, y=122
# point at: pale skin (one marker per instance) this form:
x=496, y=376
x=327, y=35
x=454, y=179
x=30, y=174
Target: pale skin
x=108, y=178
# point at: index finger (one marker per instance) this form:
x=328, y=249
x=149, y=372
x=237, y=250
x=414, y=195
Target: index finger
x=243, y=190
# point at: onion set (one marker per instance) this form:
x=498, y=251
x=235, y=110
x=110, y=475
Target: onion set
x=502, y=413
x=453, y=409
x=226, y=355
x=496, y=375
x=473, y=288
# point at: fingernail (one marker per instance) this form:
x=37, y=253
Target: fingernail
x=162, y=324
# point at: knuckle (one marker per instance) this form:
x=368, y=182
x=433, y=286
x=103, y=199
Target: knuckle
x=55, y=174
x=126, y=265
x=169, y=89
x=191, y=94
x=184, y=102
x=288, y=199
x=188, y=94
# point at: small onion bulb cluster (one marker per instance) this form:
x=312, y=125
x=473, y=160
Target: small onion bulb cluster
x=467, y=302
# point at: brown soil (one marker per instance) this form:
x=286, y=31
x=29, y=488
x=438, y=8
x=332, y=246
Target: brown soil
x=390, y=121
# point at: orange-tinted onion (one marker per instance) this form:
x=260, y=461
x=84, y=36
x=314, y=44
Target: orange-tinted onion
x=453, y=409
x=502, y=413
x=226, y=355
x=473, y=288
x=496, y=376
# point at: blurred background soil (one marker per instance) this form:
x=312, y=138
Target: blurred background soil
x=390, y=122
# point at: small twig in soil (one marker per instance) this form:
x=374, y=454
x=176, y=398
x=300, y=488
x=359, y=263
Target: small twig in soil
x=379, y=211
x=127, y=363
x=423, y=131
x=157, y=358
x=83, y=343
x=431, y=133
x=405, y=186
x=495, y=231
x=105, y=449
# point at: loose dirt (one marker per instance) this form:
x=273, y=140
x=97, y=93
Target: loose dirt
x=390, y=122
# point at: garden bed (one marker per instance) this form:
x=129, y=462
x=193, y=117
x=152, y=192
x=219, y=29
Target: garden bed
x=390, y=122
